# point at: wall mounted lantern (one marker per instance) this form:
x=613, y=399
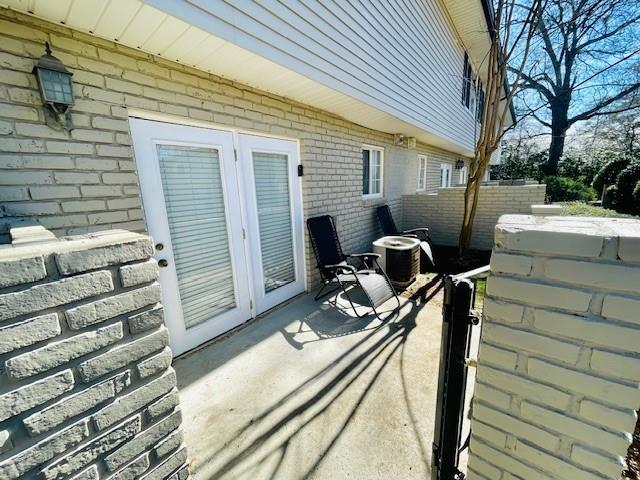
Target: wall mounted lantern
x=459, y=164
x=56, y=89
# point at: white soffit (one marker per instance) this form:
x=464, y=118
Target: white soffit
x=469, y=21
x=138, y=25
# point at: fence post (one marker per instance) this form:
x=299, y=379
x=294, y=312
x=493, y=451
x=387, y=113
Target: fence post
x=452, y=378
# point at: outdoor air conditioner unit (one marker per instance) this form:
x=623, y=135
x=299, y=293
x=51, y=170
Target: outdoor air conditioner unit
x=399, y=258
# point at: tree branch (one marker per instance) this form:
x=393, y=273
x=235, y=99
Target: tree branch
x=597, y=110
x=533, y=83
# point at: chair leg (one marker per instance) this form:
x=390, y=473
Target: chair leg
x=352, y=305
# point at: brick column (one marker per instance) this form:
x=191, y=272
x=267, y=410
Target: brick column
x=86, y=385
x=559, y=364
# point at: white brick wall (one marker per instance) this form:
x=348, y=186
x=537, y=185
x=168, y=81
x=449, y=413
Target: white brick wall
x=442, y=212
x=86, y=385
x=558, y=378
x=86, y=181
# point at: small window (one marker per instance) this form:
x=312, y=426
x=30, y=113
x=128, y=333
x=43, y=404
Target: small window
x=372, y=162
x=463, y=176
x=422, y=173
x=472, y=94
x=445, y=175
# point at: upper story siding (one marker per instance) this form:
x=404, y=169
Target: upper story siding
x=400, y=56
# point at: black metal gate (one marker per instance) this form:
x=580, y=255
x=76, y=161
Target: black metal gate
x=459, y=319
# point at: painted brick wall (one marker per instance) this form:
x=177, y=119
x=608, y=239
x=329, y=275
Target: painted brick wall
x=86, y=387
x=87, y=181
x=559, y=366
x=442, y=212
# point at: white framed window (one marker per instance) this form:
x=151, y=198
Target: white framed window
x=464, y=173
x=372, y=171
x=445, y=175
x=422, y=173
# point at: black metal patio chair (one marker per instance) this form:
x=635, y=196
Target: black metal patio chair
x=389, y=228
x=341, y=270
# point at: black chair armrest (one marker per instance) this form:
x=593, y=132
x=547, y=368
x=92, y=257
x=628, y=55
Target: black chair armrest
x=369, y=260
x=412, y=230
x=339, y=266
x=421, y=233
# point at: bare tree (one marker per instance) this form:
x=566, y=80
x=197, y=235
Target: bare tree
x=511, y=34
x=584, y=62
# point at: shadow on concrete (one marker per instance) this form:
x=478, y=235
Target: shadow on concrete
x=270, y=443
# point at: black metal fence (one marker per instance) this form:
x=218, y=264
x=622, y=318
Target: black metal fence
x=459, y=320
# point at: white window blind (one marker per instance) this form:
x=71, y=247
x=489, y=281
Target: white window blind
x=194, y=201
x=271, y=173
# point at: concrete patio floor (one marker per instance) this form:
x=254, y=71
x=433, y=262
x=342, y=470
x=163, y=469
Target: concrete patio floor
x=310, y=392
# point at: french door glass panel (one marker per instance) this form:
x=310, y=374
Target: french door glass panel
x=271, y=175
x=194, y=201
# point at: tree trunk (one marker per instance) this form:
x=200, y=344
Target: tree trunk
x=559, y=127
x=471, y=195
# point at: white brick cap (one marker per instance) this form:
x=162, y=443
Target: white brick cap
x=572, y=236
x=546, y=209
x=74, y=243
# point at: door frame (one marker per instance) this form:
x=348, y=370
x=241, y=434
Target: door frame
x=185, y=339
x=297, y=197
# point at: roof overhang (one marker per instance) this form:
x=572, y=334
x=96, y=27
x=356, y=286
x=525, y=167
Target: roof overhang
x=129, y=22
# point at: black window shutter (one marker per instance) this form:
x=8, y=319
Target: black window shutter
x=365, y=172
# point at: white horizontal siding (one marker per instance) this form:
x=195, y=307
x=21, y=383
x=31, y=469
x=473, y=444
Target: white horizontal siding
x=399, y=56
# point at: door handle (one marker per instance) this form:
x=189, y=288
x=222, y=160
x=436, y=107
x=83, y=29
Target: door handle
x=163, y=263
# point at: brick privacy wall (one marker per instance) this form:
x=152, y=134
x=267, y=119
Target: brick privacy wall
x=559, y=365
x=442, y=212
x=87, y=181
x=86, y=386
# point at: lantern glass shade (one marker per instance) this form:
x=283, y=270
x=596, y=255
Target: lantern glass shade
x=55, y=86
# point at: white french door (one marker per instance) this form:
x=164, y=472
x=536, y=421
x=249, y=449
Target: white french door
x=274, y=218
x=228, y=232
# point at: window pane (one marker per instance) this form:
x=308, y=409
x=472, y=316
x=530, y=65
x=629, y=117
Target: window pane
x=271, y=173
x=194, y=200
x=422, y=162
x=445, y=175
x=376, y=172
x=365, y=171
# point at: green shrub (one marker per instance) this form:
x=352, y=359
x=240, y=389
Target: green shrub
x=564, y=189
x=626, y=183
x=582, y=209
x=609, y=197
x=581, y=166
x=515, y=167
x=608, y=174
